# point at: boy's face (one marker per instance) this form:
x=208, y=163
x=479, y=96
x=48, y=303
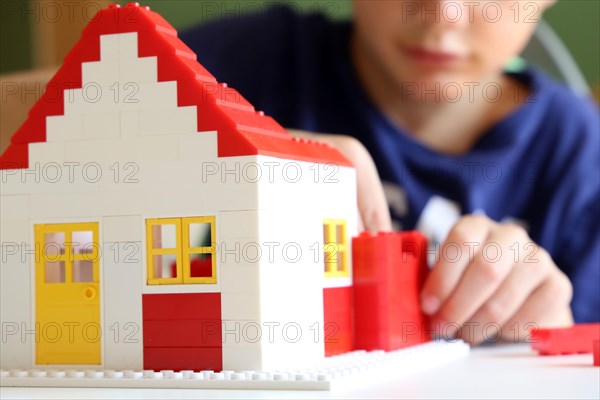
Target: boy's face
x=430, y=41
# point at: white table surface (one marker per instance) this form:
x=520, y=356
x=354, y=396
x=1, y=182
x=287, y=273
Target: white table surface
x=499, y=371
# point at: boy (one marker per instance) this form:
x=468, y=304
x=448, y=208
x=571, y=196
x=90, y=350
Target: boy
x=419, y=87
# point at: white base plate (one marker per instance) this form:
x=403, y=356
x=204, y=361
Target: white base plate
x=345, y=371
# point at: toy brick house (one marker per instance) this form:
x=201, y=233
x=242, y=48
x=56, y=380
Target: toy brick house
x=152, y=218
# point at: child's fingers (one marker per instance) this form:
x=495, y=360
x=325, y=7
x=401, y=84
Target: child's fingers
x=547, y=306
x=491, y=265
x=456, y=254
x=512, y=294
x=372, y=203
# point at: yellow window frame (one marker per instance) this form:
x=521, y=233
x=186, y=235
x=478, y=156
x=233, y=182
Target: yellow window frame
x=150, y=224
x=335, y=249
x=182, y=251
x=188, y=250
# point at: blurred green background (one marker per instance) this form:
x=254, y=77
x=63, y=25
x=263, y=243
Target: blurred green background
x=577, y=22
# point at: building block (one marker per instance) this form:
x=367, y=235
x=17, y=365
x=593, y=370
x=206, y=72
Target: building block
x=51, y=101
x=40, y=210
x=101, y=125
x=182, y=358
x=32, y=130
x=168, y=121
x=242, y=306
x=180, y=288
x=101, y=73
x=132, y=150
x=13, y=233
x=61, y=128
x=15, y=157
x=389, y=270
x=337, y=320
x=126, y=228
x=121, y=271
x=182, y=333
x=130, y=123
x=240, y=278
x=162, y=44
x=19, y=334
x=597, y=353
x=44, y=156
x=239, y=224
x=171, y=67
x=573, y=340
x=344, y=372
x=239, y=358
x=15, y=208
x=197, y=145
x=48, y=176
x=97, y=99
x=128, y=46
x=200, y=306
x=142, y=70
x=109, y=47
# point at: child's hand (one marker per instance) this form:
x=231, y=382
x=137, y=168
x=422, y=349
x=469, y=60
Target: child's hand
x=491, y=280
x=374, y=214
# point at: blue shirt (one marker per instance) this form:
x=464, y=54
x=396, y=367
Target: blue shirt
x=539, y=166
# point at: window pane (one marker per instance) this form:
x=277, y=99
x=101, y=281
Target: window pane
x=54, y=244
x=341, y=266
x=331, y=255
x=164, y=236
x=326, y=238
x=83, y=242
x=339, y=234
x=83, y=271
x=55, y=271
x=200, y=235
x=165, y=266
x=332, y=252
x=200, y=265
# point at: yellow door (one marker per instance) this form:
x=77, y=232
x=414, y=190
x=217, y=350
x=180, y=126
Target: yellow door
x=67, y=294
